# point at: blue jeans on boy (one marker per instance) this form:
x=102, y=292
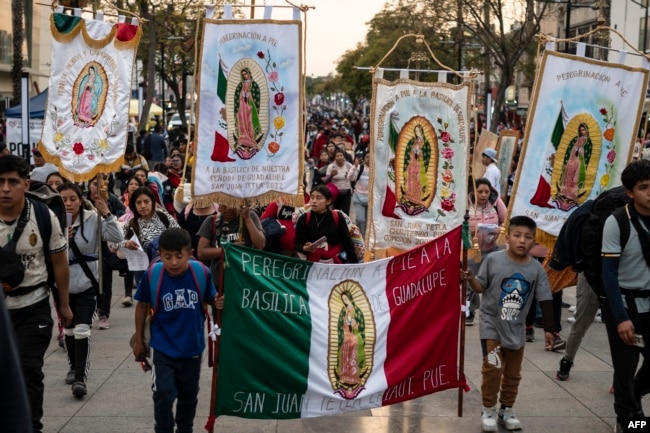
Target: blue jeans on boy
x=175, y=379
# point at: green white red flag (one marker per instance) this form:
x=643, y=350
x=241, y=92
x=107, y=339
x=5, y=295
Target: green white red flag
x=302, y=339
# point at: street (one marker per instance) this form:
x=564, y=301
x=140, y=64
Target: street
x=119, y=392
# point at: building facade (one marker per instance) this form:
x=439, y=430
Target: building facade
x=37, y=48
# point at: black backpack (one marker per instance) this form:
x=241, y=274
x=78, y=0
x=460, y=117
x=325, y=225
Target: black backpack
x=43, y=199
x=273, y=231
x=579, y=243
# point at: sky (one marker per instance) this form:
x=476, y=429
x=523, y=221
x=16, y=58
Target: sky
x=334, y=27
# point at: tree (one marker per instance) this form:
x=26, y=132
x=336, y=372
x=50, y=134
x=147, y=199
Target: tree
x=398, y=18
x=17, y=15
x=487, y=20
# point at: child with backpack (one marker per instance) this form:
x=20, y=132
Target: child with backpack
x=508, y=280
x=176, y=289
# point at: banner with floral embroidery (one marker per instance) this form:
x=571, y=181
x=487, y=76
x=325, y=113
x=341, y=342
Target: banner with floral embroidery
x=419, y=144
x=249, y=133
x=85, y=125
x=579, y=137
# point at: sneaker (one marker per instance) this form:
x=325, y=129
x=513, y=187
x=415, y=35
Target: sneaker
x=530, y=334
x=79, y=389
x=566, y=305
x=69, y=378
x=563, y=373
x=127, y=301
x=571, y=319
x=572, y=309
x=103, y=323
x=599, y=317
x=508, y=419
x=559, y=343
x=469, y=320
x=489, y=418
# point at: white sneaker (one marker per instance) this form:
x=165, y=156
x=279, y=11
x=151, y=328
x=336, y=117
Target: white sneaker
x=508, y=419
x=127, y=301
x=572, y=309
x=599, y=317
x=489, y=418
x=103, y=323
x=571, y=319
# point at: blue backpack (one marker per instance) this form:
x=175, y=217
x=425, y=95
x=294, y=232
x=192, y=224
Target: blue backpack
x=199, y=274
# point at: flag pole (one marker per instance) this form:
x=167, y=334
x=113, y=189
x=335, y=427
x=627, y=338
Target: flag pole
x=461, y=358
x=215, y=345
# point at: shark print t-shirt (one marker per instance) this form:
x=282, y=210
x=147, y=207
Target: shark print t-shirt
x=510, y=288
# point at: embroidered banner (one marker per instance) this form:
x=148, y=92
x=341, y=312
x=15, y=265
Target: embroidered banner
x=579, y=138
x=419, y=137
x=249, y=131
x=85, y=126
x=303, y=339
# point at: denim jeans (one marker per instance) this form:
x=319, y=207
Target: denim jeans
x=175, y=379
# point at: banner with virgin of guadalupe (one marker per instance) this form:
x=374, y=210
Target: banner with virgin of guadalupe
x=580, y=136
x=420, y=138
x=249, y=131
x=85, y=125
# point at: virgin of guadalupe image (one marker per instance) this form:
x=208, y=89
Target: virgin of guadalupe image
x=571, y=184
x=351, y=339
x=90, y=92
x=248, y=131
x=351, y=356
x=415, y=170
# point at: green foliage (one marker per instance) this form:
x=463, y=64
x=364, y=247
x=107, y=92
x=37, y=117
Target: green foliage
x=398, y=18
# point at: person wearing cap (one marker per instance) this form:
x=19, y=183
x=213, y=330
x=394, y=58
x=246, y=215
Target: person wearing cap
x=492, y=172
x=41, y=169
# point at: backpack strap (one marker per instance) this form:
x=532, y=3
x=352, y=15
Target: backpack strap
x=156, y=272
x=623, y=217
x=44, y=222
x=163, y=218
x=335, y=215
x=200, y=276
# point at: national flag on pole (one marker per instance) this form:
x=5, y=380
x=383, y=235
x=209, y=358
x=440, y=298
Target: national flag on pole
x=302, y=339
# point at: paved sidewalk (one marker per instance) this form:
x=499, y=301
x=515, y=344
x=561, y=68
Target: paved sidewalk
x=119, y=392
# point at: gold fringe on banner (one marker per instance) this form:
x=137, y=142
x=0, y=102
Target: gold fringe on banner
x=79, y=177
x=64, y=37
x=97, y=43
x=230, y=201
x=131, y=44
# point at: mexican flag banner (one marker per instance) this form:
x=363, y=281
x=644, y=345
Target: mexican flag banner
x=302, y=339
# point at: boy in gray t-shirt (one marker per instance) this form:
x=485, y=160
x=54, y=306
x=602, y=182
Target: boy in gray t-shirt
x=508, y=280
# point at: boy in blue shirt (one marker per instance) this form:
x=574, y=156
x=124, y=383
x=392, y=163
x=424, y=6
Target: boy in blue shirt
x=172, y=289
